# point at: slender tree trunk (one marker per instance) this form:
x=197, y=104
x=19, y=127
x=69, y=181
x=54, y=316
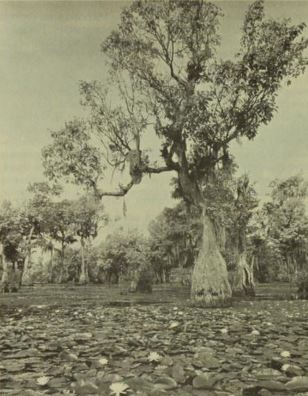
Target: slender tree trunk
x=164, y=276
x=84, y=274
x=242, y=279
x=252, y=265
x=296, y=269
x=5, y=271
x=50, y=267
x=134, y=281
x=62, y=255
x=10, y=279
x=210, y=285
x=177, y=255
x=25, y=278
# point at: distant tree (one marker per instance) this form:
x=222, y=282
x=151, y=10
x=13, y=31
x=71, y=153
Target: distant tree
x=62, y=228
x=14, y=227
x=41, y=215
x=288, y=222
x=174, y=238
x=264, y=257
x=125, y=255
x=55, y=219
x=86, y=216
x=171, y=83
x=65, y=221
x=75, y=156
x=244, y=203
x=284, y=228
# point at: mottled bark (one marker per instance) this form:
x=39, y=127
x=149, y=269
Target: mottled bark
x=62, y=256
x=84, y=274
x=10, y=279
x=25, y=278
x=210, y=285
x=5, y=272
x=242, y=281
x=50, y=266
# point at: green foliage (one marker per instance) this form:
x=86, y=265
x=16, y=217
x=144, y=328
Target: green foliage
x=167, y=79
x=288, y=223
x=67, y=268
x=51, y=216
x=87, y=213
x=123, y=254
x=64, y=220
x=210, y=102
x=279, y=235
x=242, y=203
x=57, y=224
x=73, y=155
x=15, y=224
x=174, y=238
x=96, y=269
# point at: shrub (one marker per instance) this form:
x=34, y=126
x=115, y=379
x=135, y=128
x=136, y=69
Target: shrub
x=302, y=287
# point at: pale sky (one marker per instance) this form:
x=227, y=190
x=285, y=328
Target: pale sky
x=46, y=48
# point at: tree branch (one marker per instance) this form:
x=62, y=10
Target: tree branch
x=123, y=190
x=167, y=156
x=149, y=169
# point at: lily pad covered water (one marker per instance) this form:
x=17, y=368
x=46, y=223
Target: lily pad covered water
x=85, y=347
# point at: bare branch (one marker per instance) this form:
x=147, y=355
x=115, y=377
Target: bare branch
x=123, y=190
x=149, y=169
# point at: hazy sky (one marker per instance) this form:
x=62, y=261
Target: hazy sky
x=47, y=47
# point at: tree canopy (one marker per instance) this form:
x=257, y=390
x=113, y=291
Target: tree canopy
x=169, y=80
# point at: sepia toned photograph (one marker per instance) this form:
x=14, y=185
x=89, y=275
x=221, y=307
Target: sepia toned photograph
x=154, y=198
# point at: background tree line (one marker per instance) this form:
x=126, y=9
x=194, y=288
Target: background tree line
x=49, y=239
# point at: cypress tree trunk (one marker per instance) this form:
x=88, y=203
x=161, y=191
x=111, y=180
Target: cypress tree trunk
x=10, y=279
x=242, y=279
x=5, y=271
x=134, y=275
x=25, y=278
x=84, y=274
x=50, y=267
x=62, y=256
x=210, y=285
